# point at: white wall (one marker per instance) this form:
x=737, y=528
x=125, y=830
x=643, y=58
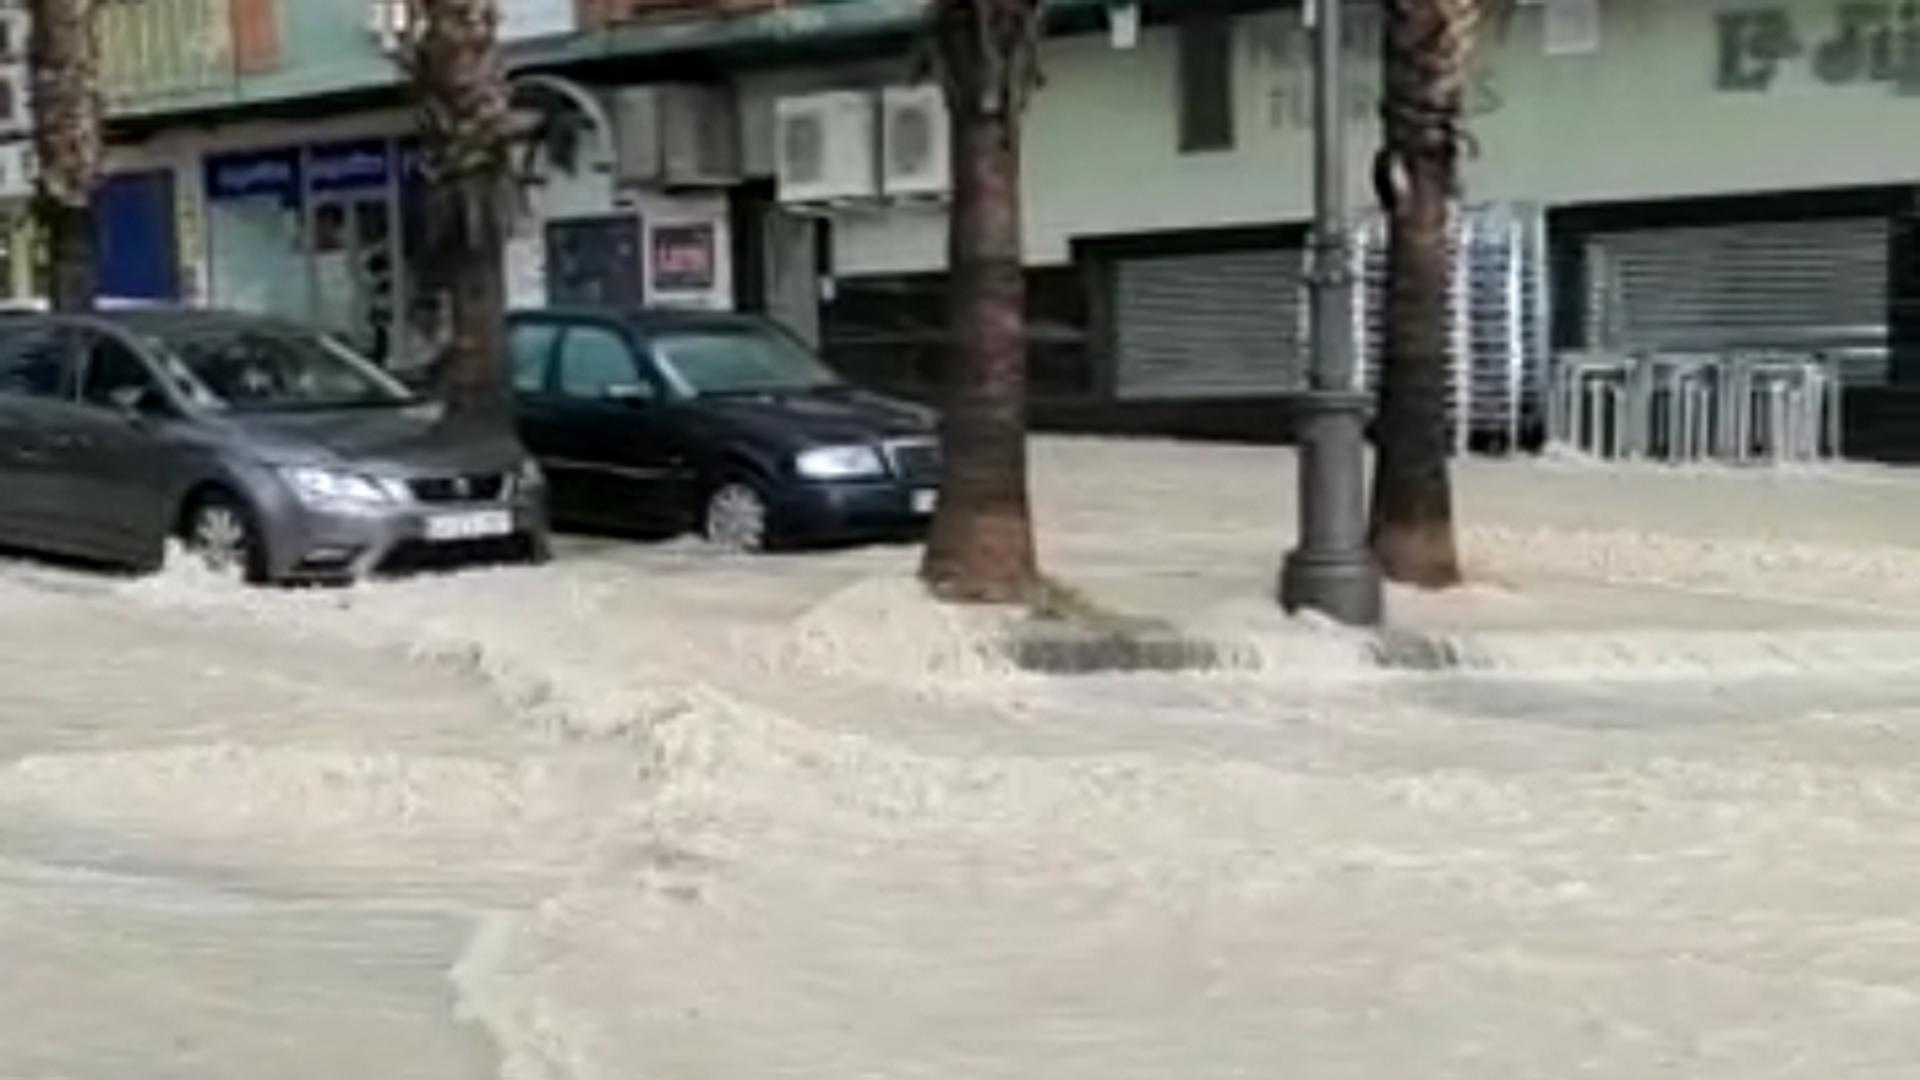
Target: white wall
x=1644, y=117
x=591, y=191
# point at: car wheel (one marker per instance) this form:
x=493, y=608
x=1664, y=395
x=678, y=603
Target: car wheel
x=221, y=534
x=737, y=517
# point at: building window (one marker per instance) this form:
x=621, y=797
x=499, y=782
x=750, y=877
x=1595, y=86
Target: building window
x=312, y=233
x=1206, y=84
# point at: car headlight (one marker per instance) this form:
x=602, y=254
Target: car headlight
x=333, y=487
x=840, y=463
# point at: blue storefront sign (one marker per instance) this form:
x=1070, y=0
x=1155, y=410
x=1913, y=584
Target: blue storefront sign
x=255, y=174
x=364, y=164
x=360, y=165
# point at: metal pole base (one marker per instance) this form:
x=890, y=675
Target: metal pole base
x=1343, y=587
x=1333, y=570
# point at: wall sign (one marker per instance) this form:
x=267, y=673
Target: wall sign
x=255, y=174
x=683, y=258
x=350, y=166
x=1857, y=42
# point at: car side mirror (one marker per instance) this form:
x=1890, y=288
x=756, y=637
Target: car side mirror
x=635, y=394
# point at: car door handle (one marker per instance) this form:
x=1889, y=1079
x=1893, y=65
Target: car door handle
x=63, y=441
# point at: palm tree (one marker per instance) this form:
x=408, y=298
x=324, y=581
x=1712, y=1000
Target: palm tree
x=465, y=121
x=981, y=549
x=63, y=53
x=1426, y=48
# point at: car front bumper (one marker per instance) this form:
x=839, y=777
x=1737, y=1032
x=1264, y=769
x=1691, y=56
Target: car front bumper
x=309, y=543
x=852, y=510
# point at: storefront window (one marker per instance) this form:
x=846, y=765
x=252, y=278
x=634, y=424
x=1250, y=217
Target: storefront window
x=352, y=197
x=310, y=233
x=256, y=236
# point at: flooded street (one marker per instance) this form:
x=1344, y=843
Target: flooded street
x=654, y=811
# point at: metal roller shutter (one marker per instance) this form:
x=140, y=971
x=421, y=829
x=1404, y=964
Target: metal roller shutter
x=1215, y=324
x=1790, y=284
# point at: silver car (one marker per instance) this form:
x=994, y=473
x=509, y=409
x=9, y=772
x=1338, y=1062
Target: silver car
x=271, y=450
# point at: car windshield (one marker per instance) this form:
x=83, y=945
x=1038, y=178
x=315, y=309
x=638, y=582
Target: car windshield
x=746, y=361
x=260, y=369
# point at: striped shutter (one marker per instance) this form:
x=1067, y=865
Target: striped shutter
x=1215, y=324
x=1784, y=283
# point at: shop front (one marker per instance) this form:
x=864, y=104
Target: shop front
x=319, y=233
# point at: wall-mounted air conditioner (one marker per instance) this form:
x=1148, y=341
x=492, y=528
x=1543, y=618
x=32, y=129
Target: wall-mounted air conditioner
x=16, y=98
x=824, y=147
x=914, y=147
x=18, y=170
x=390, y=22
x=676, y=136
x=15, y=24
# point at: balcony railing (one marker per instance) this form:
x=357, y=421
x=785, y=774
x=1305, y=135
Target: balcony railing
x=167, y=48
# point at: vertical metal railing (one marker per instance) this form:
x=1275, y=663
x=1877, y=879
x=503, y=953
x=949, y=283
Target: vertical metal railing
x=161, y=48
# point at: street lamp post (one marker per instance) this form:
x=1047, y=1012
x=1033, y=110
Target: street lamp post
x=1332, y=571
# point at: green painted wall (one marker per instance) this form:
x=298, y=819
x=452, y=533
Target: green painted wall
x=170, y=55
x=1650, y=115
x=161, y=50
x=1646, y=116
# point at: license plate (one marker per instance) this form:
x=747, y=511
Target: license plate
x=925, y=501
x=476, y=525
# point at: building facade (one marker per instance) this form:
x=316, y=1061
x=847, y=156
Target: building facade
x=1703, y=174
x=1696, y=173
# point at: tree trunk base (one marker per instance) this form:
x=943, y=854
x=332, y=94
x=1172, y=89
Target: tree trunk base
x=1422, y=555
x=71, y=284
x=989, y=559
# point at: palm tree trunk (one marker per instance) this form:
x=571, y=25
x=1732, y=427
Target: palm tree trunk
x=1425, y=58
x=64, y=57
x=981, y=549
x=465, y=119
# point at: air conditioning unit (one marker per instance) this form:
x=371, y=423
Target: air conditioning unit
x=914, y=147
x=16, y=99
x=15, y=25
x=18, y=170
x=390, y=22
x=676, y=136
x=825, y=146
